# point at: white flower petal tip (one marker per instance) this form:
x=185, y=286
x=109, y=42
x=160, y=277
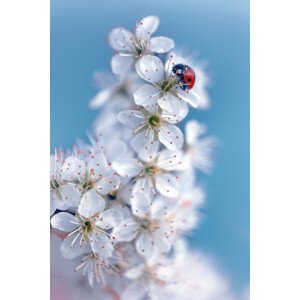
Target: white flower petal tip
x=150, y=68
x=161, y=44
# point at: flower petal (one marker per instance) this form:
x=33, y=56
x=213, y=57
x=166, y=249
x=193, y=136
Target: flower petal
x=120, y=39
x=150, y=68
x=171, y=136
x=64, y=221
x=169, y=160
x=149, y=152
x=176, y=118
x=166, y=185
x=131, y=118
x=161, y=44
x=71, y=246
x=115, y=149
x=142, y=185
x=98, y=166
x=146, y=95
x=161, y=242
x=101, y=244
x=162, y=206
x=100, y=98
x=70, y=195
x=193, y=130
x=72, y=168
x=121, y=64
x=107, y=184
x=140, y=204
x=144, y=244
x=126, y=231
x=189, y=96
x=127, y=167
x=170, y=104
x=91, y=204
x=110, y=218
x=146, y=27
x=142, y=140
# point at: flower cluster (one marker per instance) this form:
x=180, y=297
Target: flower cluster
x=122, y=202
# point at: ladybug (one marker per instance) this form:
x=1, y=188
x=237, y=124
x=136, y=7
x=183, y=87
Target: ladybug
x=186, y=76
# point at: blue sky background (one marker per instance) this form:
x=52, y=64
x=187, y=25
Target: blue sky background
x=218, y=31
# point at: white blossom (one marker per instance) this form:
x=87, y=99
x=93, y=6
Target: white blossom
x=198, y=147
x=95, y=267
x=153, y=124
x=150, y=231
x=97, y=174
x=131, y=47
x=87, y=230
x=64, y=192
x=163, y=87
x=116, y=91
x=153, y=171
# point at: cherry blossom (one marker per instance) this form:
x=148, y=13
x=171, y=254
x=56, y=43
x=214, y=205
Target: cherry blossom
x=131, y=47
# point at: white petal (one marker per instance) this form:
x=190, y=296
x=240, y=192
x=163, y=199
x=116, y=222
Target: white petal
x=127, y=167
x=72, y=168
x=144, y=244
x=167, y=185
x=170, y=104
x=98, y=166
x=189, y=96
x=71, y=247
x=121, y=64
x=100, y=98
x=146, y=27
x=131, y=118
x=203, y=154
x=70, y=195
x=161, y=242
x=161, y=44
x=58, y=203
x=146, y=95
x=142, y=185
x=110, y=218
x=107, y=184
x=120, y=39
x=175, y=118
x=171, y=136
x=149, y=152
x=169, y=160
x=150, y=68
x=116, y=149
x=140, y=204
x=126, y=231
x=142, y=140
x=91, y=204
x=161, y=206
x=64, y=222
x=101, y=244
x=193, y=130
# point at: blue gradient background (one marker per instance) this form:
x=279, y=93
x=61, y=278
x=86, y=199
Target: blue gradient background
x=219, y=31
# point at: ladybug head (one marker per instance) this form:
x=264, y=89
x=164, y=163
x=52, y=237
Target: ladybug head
x=185, y=74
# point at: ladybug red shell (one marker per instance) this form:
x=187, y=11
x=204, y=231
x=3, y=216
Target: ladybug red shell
x=186, y=76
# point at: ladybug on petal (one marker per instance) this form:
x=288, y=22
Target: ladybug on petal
x=186, y=76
